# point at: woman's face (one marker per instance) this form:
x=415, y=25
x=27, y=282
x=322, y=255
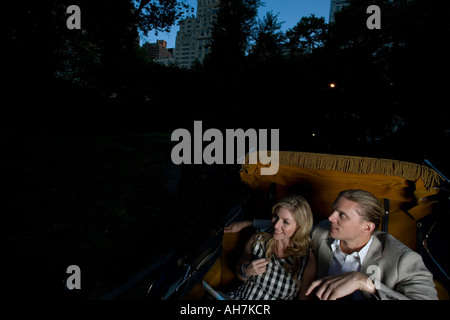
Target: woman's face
x=284, y=225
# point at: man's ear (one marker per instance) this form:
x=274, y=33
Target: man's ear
x=369, y=226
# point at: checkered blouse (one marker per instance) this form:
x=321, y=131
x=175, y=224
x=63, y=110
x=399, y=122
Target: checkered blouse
x=274, y=284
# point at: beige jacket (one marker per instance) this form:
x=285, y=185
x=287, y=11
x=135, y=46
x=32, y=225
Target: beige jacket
x=398, y=271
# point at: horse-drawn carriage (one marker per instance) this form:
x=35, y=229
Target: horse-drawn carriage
x=415, y=198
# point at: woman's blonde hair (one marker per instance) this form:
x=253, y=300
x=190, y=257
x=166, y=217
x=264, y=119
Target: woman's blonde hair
x=300, y=241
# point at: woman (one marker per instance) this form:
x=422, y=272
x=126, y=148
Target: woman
x=279, y=265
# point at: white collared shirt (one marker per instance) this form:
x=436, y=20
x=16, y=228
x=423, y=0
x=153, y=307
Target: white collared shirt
x=343, y=262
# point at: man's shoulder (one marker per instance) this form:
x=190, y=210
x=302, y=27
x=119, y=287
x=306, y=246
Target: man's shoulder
x=321, y=229
x=390, y=243
x=320, y=232
x=392, y=251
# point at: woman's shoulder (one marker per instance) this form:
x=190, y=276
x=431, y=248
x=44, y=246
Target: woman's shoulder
x=261, y=237
x=259, y=242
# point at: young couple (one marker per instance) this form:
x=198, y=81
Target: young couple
x=344, y=256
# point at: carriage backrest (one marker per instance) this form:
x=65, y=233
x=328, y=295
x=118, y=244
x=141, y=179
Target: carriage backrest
x=320, y=178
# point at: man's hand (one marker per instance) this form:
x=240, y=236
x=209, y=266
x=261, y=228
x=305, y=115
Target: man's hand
x=237, y=226
x=341, y=285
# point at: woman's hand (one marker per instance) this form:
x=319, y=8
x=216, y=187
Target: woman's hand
x=256, y=267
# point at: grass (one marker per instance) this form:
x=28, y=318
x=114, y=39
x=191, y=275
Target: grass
x=110, y=204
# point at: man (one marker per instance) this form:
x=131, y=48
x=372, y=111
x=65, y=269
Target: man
x=356, y=260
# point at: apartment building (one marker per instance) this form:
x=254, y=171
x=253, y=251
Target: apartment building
x=336, y=6
x=193, y=38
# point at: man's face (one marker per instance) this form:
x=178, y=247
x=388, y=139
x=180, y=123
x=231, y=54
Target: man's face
x=346, y=223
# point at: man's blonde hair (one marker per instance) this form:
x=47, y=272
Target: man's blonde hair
x=371, y=208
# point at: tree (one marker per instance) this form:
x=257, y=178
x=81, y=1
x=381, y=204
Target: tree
x=404, y=60
x=57, y=67
x=268, y=37
x=307, y=35
x=231, y=33
x=392, y=77
x=109, y=29
x=158, y=15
